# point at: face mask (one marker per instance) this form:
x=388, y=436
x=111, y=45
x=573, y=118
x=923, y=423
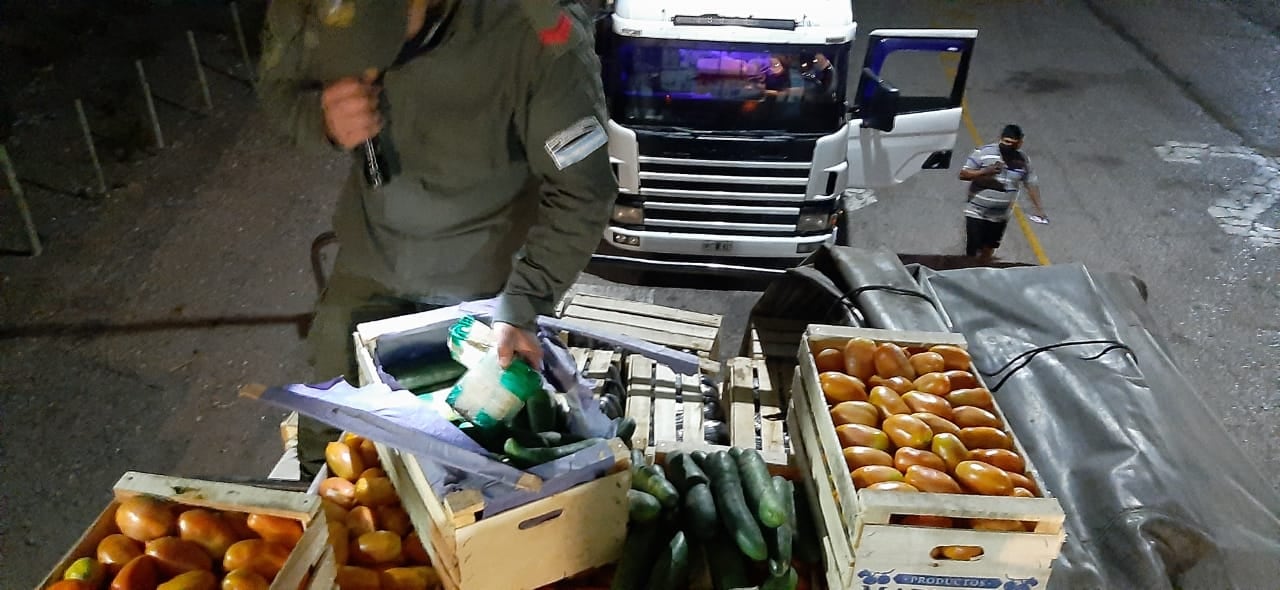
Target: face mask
x=1008, y=152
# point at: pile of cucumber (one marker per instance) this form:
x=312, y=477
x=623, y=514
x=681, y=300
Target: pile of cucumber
x=721, y=507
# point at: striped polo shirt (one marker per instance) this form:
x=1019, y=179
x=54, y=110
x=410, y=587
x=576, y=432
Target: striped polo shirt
x=995, y=202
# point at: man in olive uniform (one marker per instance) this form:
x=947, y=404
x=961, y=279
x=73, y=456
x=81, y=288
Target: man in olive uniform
x=490, y=115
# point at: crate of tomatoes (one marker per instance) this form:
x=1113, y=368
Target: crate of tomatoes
x=169, y=533
x=916, y=477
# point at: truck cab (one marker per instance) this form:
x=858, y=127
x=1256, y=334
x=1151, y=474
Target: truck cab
x=735, y=130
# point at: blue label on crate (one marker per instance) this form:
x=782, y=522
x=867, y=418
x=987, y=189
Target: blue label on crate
x=892, y=580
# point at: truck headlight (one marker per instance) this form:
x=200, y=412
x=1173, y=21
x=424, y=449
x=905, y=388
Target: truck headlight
x=813, y=221
x=627, y=215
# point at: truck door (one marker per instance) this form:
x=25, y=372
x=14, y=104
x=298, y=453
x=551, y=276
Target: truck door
x=907, y=109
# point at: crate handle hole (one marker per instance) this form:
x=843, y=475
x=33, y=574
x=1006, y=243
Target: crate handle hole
x=957, y=552
x=537, y=520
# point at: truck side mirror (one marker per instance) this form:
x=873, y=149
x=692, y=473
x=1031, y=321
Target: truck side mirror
x=881, y=102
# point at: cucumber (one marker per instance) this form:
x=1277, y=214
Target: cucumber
x=685, y=471
x=491, y=439
x=786, y=581
x=700, y=511
x=761, y=497
x=700, y=459
x=731, y=505
x=728, y=569
x=523, y=456
x=805, y=544
x=544, y=439
x=781, y=538
x=637, y=461
x=672, y=570
x=625, y=430
x=638, y=553
x=642, y=506
x=609, y=407
x=541, y=414
x=649, y=479
x=735, y=452
x=429, y=376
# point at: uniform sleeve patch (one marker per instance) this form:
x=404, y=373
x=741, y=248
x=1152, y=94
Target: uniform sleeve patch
x=576, y=142
x=557, y=34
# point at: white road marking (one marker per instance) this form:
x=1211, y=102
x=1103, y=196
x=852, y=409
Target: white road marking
x=1238, y=211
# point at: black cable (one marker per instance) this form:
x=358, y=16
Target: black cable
x=848, y=297
x=1025, y=358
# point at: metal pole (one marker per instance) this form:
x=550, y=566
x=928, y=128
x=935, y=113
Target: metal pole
x=151, y=104
x=244, y=48
x=93, y=151
x=21, y=200
x=204, y=83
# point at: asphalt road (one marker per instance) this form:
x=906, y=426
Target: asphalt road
x=122, y=347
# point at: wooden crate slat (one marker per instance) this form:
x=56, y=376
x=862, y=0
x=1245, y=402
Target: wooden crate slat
x=652, y=323
x=219, y=496
x=772, y=424
x=807, y=402
x=646, y=309
x=820, y=336
x=691, y=394
x=816, y=481
x=599, y=363
x=655, y=336
x=640, y=398
x=580, y=356
x=664, y=404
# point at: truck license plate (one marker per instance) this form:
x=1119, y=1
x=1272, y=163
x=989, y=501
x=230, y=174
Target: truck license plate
x=717, y=246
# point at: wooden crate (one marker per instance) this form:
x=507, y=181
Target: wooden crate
x=595, y=364
x=756, y=413
x=309, y=562
x=863, y=546
x=524, y=548
x=667, y=407
x=668, y=326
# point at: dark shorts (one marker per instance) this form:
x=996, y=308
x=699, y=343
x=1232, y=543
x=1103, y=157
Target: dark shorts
x=980, y=233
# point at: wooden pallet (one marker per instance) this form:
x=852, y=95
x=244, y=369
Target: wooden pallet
x=667, y=407
x=756, y=411
x=695, y=332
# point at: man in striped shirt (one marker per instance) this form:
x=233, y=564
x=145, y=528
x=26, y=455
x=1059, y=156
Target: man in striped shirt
x=996, y=172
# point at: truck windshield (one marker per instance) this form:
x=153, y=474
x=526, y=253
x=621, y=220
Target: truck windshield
x=728, y=86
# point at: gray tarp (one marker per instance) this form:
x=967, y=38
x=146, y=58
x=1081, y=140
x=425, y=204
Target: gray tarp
x=1155, y=492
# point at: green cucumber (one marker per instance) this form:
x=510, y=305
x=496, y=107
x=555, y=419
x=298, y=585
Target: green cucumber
x=672, y=569
x=700, y=459
x=780, y=539
x=491, y=438
x=429, y=376
x=805, y=543
x=637, y=461
x=625, y=430
x=544, y=439
x=761, y=497
x=731, y=505
x=527, y=457
x=787, y=581
x=642, y=506
x=638, y=553
x=685, y=471
x=649, y=479
x=541, y=414
x=728, y=569
x=735, y=452
x=700, y=511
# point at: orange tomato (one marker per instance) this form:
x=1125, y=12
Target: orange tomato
x=957, y=552
x=71, y=585
x=859, y=358
x=920, y=401
x=950, y=449
x=88, y=570
x=239, y=522
x=961, y=379
x=935, y=383
x=1022, y=493
x=192, y=580
x=374, y=492
x=262, y=557
x=873, y=474
x=858, y=435
x=905, y=430
x=1022, y=481
x=985, y=437
x=361, y=520
x=893, y=486
x=1002, y=458
x=143, y=518
x=414, y=551
x=244, y=579
x=358, y=578
x=937, y=423
x=991, y=524
x=394, y=518
x=332, y=511
x=208, y=530
x=369, y=453
x=339, y=491
x=977, y=396
x=887, y=401
x=838, y=387
x=340, y=540
x=927, y=479
x=116, y=550
x=927, y=362
x=980, y=478
x=856, y=457
x=139, y=574
x=937, y=522
x=855, y=413
x=343, y=461
x=970, y=416
x=830, y=359
x=377, y=547
x=372, y=472
x=954, y=357
x=899, y=385
x=892, y=361
x=285, y=531
x=174, y=556
x=907, y=456
x=409, y=578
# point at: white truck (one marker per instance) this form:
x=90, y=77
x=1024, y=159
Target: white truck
x=734, y=135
